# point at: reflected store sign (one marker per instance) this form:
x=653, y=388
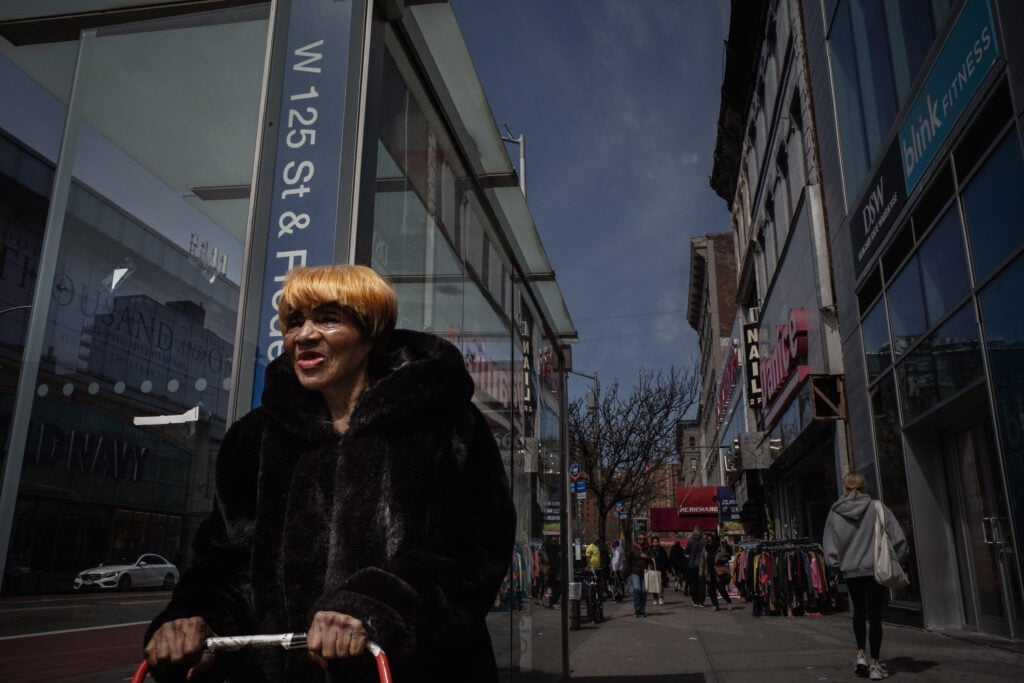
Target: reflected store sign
x=966, y=58
x=730, y=370
x=786, y=360
x=308, y=157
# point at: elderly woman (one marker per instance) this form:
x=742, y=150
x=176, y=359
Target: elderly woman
x=365, y=499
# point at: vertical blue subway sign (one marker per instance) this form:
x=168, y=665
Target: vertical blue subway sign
x=967, y=56
x=308, y=156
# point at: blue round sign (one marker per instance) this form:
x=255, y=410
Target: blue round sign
x=574, y=471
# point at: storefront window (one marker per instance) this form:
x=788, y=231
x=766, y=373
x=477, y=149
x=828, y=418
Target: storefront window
x=947, y=361
x=892, y=472
x=141, y=313
x=930, y=284
x=875, y=329
x=876, y=51
x=993, y=201
x=1004, y=335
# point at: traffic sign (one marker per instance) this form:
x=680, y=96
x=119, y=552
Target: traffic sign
x=574, y=470
x=579, y=486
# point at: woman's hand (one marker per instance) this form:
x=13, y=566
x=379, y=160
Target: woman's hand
x=333, y=635
x=181, y=641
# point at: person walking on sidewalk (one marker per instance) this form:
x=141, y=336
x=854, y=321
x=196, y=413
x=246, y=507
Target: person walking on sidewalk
x=849, y=547
x=637, y=560
x=618, y=561
x=718, y=578
x=694, y=549
x=660, y=558
x=680, y=566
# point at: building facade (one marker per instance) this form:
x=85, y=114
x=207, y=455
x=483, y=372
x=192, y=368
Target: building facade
x=919, y=108
x=161, y=168
x=792, y=447
x=711, y=312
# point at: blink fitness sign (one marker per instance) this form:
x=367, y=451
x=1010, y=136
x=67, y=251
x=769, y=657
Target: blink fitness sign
x=308, y=157
x=968, y=54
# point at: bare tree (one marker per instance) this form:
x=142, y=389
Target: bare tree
x=620, y=442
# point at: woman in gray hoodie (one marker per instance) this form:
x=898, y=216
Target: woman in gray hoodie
x=849, y=545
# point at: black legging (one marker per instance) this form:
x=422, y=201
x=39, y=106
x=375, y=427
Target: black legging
x=868, y=595
x=719, y=586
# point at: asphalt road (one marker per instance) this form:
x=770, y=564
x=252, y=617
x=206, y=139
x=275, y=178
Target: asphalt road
x=80, y=637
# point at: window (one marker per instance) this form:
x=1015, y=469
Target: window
x=993, y=202
x=876, y=50
x=693, y=462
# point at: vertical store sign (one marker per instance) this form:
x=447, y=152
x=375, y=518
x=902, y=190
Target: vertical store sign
x=308, y=157
x=752, y=359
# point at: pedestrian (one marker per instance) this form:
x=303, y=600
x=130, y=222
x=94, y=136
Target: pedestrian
x=680, y=566
x=694, y=548
x=617, y=563
x=551, y=563
x=323, y=522
x=637, y=561
x=718, y=578
x=659, y=556
x=849, y=547
x=595, y=563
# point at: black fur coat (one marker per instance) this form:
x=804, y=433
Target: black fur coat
x=405, y=521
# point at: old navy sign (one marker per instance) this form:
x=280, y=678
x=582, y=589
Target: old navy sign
x=962, y=65
x=308, y=158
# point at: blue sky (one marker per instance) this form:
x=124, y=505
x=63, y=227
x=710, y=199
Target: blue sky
x=618, y=100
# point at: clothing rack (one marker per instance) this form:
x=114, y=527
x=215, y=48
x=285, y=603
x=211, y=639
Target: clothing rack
x=788, y=577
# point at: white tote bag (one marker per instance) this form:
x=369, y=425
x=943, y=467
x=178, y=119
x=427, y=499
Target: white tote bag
x=888, y=570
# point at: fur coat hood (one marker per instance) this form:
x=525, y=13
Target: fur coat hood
x=405, y=521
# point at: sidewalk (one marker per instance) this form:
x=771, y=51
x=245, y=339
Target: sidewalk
x=679, y=643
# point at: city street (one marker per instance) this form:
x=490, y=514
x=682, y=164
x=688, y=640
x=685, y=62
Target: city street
x=679, y=643
x=81, y=637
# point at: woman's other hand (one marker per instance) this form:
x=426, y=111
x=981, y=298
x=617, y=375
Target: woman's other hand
x=181, y=641
x=333, y=635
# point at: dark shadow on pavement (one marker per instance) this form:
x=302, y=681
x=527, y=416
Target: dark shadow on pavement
x=908, y=665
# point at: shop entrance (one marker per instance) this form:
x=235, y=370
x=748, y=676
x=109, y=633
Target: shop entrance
x=988, y=575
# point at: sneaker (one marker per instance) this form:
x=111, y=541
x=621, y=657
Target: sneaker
x=729, y=607
x=878, y=672
x=861, y=667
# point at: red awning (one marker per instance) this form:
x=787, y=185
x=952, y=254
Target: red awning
x=668, y=519
x=701, y=501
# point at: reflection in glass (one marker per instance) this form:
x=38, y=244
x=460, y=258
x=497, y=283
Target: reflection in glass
x=906, y=307
x=892, y=472
x=944, y=278
x=946, y=362
x=1004, y=339
x=876, y=50
x=994, y=207
x=875, y=329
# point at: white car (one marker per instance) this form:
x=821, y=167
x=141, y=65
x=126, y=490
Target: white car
x=124, y=574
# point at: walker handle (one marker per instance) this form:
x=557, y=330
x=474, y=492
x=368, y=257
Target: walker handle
x=288, y=641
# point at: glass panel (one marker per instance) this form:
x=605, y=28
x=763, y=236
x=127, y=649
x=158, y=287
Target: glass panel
x=142, y=311
x=876, y=50
x=1004, y=340
x=906, y=307
x=875, y=329
x=432, y=240
x=946, y=362
x=892, y=472
x=944, y=276
x=994, y=207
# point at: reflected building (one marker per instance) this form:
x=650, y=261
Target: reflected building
x=161, y=168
